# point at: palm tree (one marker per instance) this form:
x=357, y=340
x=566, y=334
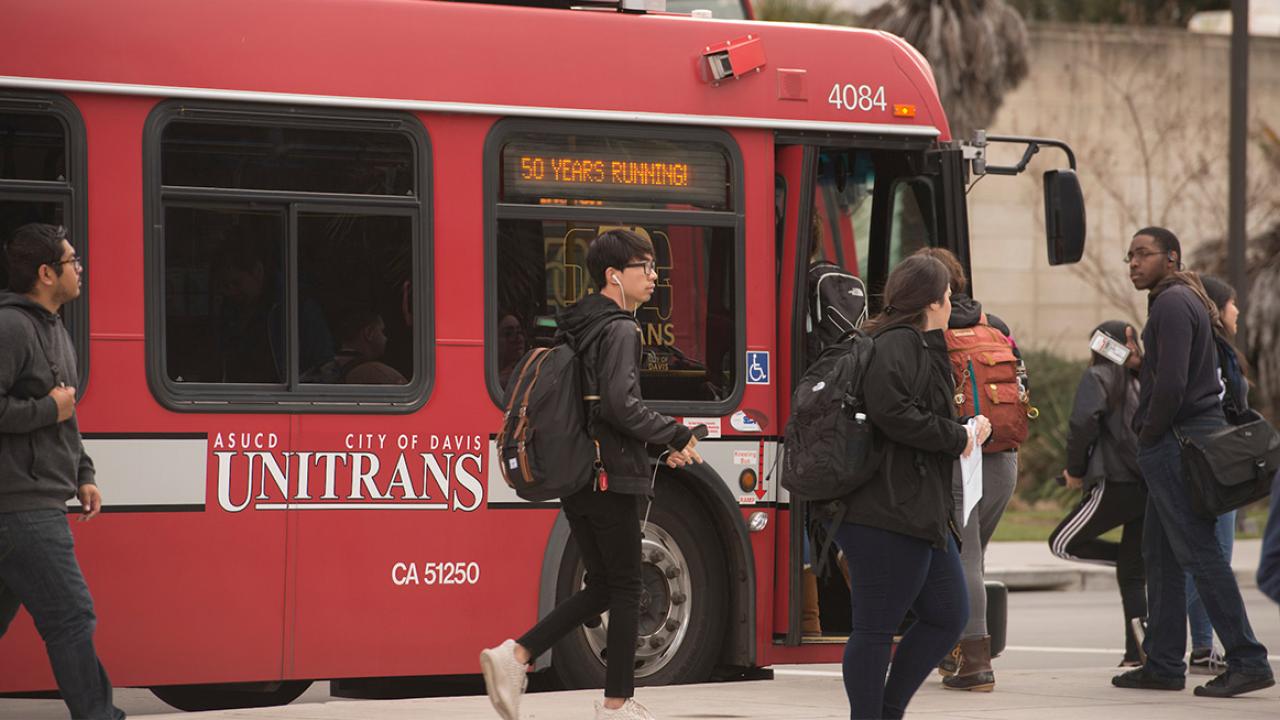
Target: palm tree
x=978, y=50
x=1262, y=262
x=822, y=12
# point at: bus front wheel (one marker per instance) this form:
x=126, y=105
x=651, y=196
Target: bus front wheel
x=683, y=603
x=199, y=698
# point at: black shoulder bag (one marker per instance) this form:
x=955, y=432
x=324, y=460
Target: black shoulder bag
x=1231, y=467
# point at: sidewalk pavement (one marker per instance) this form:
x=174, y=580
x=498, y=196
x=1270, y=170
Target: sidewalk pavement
x=817, y=693
x=1030, y=566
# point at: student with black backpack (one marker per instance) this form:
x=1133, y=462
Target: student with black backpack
x=898, y=532
x=605, y=515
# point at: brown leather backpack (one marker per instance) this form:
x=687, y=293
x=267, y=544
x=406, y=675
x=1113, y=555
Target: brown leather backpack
x=987, y=383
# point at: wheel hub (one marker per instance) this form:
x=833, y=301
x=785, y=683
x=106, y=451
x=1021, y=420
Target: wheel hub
x=665, y=604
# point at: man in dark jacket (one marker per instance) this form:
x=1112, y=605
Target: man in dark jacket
x=43, y=464
x=1179, y=394
x=605, y=517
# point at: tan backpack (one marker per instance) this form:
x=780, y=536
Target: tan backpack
x=987, y=381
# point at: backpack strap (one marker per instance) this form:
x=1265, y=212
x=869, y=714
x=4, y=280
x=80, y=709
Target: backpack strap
x=537, y=360
x=589, y=354
x=824, y=520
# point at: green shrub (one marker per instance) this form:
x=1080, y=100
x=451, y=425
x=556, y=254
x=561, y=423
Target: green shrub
x=1053, y=380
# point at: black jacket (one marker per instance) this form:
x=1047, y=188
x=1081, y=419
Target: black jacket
x=42, y=461
x=607, y=339
x=1180, y=370
x=911, y=492
x=1100, y=442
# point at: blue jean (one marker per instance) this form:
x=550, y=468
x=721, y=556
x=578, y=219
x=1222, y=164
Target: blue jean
x=1201, y=629
x=1177, y=541
x=38, y=570
x=891, y=573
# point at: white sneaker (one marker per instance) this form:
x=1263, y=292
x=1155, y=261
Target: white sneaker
x=630, y=710
x=505, y=678
x=1208, y=662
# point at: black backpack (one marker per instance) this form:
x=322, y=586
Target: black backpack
x=545, y=450
x=830, y=447
x=837, y=305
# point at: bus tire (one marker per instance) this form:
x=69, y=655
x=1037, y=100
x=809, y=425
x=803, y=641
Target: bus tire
x=683, y=608
x=199, y=698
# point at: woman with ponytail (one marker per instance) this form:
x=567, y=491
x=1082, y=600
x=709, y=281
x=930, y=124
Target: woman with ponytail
x=898, y=535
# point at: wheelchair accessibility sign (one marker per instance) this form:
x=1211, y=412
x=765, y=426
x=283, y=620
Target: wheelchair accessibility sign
x=757, y=367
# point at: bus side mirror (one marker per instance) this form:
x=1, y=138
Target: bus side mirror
x=1064, y=220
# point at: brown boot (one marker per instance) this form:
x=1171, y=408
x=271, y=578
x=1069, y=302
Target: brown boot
x=810, y=622
x=948, y=666
x=974, y=672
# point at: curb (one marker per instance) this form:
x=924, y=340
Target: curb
x=1073, y=579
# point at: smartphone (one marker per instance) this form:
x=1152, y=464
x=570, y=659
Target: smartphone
x=700, y=431
x=1109, y=348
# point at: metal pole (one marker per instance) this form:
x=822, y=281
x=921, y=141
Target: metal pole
x=1236, y=240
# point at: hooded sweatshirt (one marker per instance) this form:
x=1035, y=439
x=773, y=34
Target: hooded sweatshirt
x=1179, y=378
x=966, y=312
x=42, y=461
x=607, y=339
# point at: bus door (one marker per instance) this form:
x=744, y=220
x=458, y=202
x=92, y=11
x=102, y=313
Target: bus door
x=863, y=206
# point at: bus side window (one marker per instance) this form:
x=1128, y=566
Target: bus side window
x=46, y=146
x=678, y=193
x=290, y=257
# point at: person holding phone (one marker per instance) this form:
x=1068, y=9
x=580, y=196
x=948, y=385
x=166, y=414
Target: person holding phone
x=43, y=465
x=605, y=517
x=1102, y=460
x=898, y=531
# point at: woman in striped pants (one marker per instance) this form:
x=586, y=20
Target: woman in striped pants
x=1102, y=460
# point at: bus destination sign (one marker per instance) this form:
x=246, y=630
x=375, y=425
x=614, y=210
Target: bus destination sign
x=612, y=172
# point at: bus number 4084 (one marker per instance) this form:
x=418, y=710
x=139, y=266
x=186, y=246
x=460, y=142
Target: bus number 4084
x=857, y=97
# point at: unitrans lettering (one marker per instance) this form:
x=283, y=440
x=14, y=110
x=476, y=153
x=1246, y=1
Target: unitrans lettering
x=348, y=481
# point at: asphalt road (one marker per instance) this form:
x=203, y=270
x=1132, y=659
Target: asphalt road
x=1062, y=648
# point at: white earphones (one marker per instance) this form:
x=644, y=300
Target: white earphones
x=617, y=281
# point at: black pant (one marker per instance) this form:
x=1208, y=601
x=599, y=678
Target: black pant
x=1103, y=507
x=1176, y=541
x=891, y=573
x=606, y=526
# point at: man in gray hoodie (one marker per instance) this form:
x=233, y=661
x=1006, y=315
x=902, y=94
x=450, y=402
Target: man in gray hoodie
x=43, y=464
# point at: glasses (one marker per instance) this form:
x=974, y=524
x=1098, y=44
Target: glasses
x=1141, y=255
x=74, y=260
x=650, y=267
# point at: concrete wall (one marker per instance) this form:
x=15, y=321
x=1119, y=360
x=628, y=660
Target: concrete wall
x=1146, y=111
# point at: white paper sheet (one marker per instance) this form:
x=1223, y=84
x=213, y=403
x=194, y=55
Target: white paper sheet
x=971, y=473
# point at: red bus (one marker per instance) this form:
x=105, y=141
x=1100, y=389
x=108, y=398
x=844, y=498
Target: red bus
x=317, y=235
